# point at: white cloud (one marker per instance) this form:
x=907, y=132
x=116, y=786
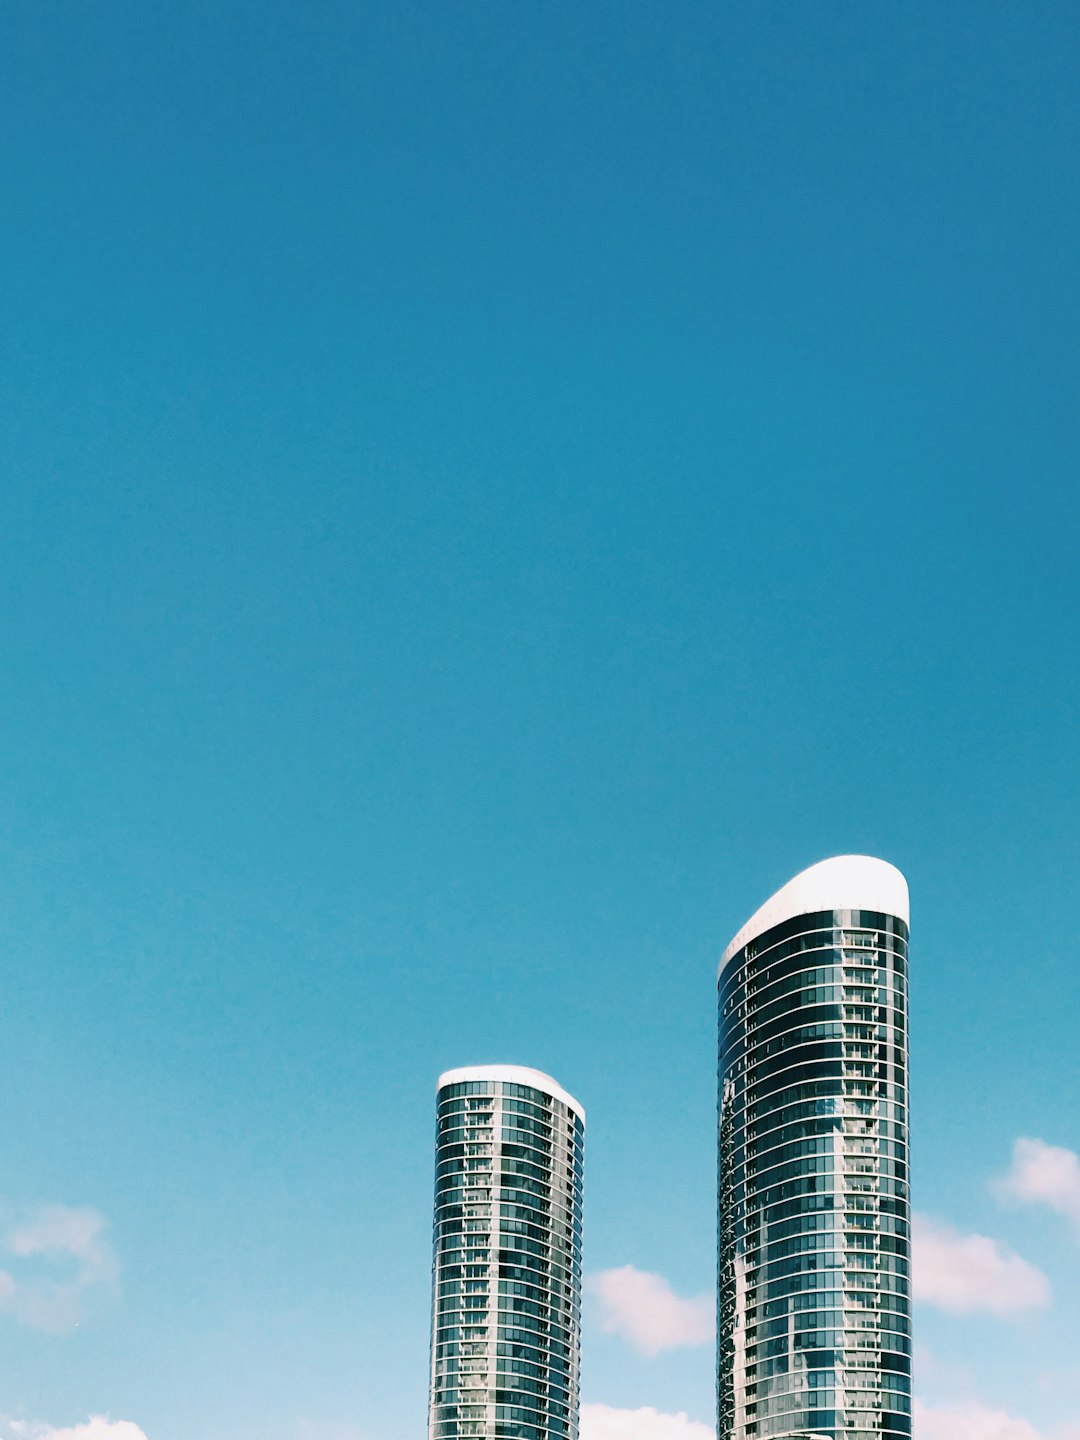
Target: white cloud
x=1044, y=1174
x=644, y=1310
x=98, y=1427
x=56, y=1257
x=965, y=1273
x=969, y=1420
x=959, y=1420
x=317, y=1430
x=945, y=1376
x=602, y=1422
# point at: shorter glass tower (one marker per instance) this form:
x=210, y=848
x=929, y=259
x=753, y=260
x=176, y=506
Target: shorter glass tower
x=506, y=1273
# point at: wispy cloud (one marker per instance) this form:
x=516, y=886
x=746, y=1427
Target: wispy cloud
x=969, y=1420
x=643, y=1309
x=320, y=1430
x=966, y=1273
x=943, y=1376
x=602, y=1422
x=55, y=1258
x=958, y=1420
x=98, y=1427
x=1043, y=1174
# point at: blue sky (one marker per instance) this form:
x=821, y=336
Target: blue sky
x=488, y=493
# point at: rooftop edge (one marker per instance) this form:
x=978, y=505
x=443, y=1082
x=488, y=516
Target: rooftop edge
x=843, y=882
x=512, y=1075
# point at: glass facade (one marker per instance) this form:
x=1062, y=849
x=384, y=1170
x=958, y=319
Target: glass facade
x=814, y=1302
x=506, y=1281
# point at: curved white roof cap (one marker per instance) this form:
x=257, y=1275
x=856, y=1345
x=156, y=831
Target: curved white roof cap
x=846, y=882
x=511, y=1075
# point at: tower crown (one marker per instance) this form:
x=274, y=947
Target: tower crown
x=844, y=882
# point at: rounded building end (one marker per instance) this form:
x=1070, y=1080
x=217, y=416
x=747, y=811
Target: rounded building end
x=512, y=1075
x=844, y=882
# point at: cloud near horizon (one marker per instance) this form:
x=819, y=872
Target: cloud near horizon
x=60, y=1255
x=962, y=1274
x=318, y=1430
x=1043, y=1174
x=604, y=1422
x=968, y=1420
x=644, y=1310
x=98, y=1427
x=960, y=1420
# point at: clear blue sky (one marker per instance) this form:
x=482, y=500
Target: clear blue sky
x=489, y=492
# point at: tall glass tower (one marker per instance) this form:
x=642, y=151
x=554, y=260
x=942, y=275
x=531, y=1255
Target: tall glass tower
x=814, y=1301
x=506, y=1305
